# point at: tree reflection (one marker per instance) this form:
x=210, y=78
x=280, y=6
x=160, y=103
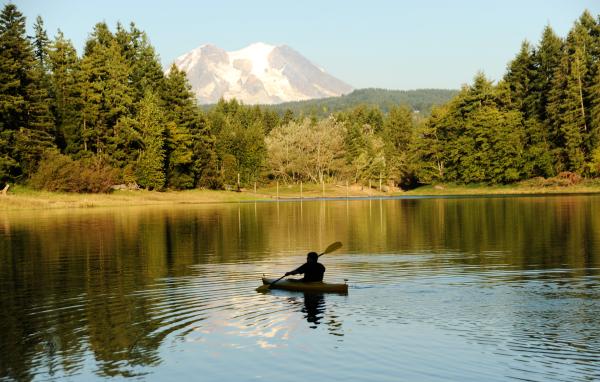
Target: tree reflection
x=70, y=279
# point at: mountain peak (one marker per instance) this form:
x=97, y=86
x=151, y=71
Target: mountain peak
x=259, y=73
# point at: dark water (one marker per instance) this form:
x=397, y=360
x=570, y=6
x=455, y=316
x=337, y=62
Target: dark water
x=474, y=289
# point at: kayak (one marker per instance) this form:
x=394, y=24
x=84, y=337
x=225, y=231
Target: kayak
x=301, y=286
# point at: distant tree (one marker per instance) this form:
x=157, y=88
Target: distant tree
x=307, y=151
x=288, y=116
x=398, y=137
x=240, y=140
x=429, y=148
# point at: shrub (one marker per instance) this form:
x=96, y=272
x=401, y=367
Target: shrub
x=58, y=172
x=570, y=178
x=564, y=179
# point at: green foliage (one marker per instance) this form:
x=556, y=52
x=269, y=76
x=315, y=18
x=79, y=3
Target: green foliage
x=191, y=156
x=307, y=151
x=398, y=136
x=542, y=119
x=25, y=121
x=146, y=72
x=474, y=140
x=421, y=101
x=66, y=91
x=240, y=141
x=105, y=91
x=115, y=103
x=150, y=171
x=594, y=165
x=428, y=150
x=520, y=78
x=546, y=62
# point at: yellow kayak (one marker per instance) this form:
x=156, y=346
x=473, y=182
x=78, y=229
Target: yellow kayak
x=301, y=286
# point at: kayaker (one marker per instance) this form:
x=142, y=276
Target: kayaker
x=312, y=269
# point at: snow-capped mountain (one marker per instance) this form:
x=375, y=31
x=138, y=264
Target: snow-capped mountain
x=257, y=74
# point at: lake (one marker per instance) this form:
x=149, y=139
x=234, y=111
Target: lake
x=440, y=289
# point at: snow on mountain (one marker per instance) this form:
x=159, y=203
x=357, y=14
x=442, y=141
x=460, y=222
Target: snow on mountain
x=257, y=74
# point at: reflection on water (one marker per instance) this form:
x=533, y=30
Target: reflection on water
x=314, y=306
x=440, y=289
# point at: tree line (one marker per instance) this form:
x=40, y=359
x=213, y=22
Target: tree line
x=541, y=119
x=419, y=100
x=111, y=115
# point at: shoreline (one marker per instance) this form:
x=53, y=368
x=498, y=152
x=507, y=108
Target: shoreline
x=23, y=198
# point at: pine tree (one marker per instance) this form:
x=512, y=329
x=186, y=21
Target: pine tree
x=595, y=110
x=191, y=158
x=41, y=43
x=25, y=119
x=150, y=124
x=106, y=93
x=16, y=62
x=547, y=61
x=567, y=108
x=430, y=159
x=520, y=78
x=66, y=93
x=398, y=129
x=591, y=39
x=288, y=116
x=146, y=71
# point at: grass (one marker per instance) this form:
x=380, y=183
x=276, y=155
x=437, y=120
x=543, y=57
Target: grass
x=521, y=188
x=21, y=197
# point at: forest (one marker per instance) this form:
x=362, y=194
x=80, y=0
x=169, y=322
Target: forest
x=420, y=100
x=111, y=115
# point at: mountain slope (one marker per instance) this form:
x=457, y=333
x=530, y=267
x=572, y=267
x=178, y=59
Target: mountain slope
x=257, y=74
x=420, y=100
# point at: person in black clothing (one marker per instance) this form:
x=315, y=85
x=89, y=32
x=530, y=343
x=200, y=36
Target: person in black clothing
x=312, y=269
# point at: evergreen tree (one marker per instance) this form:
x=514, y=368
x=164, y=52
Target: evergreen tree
x=106, y=93
x=520, y=78
x=288, y=116
x=25, y=119
x=398, y=129
x=547, y=61
x=66, y=93
x=41, y=43
x=538, y=155
x=146, y=71
x=429, y=149
x=573, y=119
x=150, y=124
x=474, y=139
x=191, y=157
x=595, y=110
x=16, y=63
x=566, y=109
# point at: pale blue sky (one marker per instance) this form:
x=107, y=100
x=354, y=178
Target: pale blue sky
x=374, y=43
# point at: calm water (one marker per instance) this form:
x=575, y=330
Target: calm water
x=472, y=289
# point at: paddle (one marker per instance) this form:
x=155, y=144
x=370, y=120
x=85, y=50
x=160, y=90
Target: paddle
x=332, y=247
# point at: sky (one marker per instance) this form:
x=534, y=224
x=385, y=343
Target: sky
x=370, y=43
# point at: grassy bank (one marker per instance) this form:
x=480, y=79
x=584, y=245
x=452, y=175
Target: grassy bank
x=20, y=197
